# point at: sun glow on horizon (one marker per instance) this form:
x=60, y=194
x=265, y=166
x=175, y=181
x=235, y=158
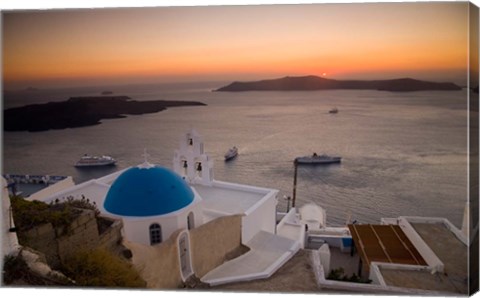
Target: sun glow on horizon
x=206, y=43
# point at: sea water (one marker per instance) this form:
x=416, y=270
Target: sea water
x=402, y=153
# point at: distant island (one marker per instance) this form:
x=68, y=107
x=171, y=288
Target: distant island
x=81, y=111
x=307, y=83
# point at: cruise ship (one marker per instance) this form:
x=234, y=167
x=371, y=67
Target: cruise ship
x=95, y=161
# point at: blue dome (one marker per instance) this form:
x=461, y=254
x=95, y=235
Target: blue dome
x=147, y=192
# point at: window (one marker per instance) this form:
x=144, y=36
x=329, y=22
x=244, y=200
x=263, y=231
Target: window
x=155, y=234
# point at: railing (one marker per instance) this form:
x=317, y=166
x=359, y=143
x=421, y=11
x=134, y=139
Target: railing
x=33, y=179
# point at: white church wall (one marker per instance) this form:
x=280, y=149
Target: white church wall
x=9, y=239
x=182, y=218
x=242, y=187
x=261, y=217
x=196, y=208
x=137, y=229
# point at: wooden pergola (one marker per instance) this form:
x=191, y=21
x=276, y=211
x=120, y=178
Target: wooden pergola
x=383, y=243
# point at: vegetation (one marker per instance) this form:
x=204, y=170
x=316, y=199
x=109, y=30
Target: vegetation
x=83, y=203
x=339, y=274
x=94, y=268
x=28, y=214
x=16, y=272
x=14, y=268
x=101, y=268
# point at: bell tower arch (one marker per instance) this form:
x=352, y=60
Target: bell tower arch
x=190, y=160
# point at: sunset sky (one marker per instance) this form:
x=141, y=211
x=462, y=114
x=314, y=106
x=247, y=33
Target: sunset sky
x=167, y=44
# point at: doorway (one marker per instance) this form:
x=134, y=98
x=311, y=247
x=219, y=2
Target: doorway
x=184, y=254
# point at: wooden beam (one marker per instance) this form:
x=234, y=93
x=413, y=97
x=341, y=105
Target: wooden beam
x=381, y=244
x=361, y=249
x=405, y=246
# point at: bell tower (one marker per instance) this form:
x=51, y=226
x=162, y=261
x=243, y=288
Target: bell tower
x=190, y=160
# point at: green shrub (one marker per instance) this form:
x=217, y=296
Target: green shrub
x=83, y=203
x=28, y=214
x=100, y=268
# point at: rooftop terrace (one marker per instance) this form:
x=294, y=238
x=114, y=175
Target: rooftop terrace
x=449, y=249
x=228, y=200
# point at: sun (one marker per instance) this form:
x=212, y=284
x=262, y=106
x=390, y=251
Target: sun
x=324, y=74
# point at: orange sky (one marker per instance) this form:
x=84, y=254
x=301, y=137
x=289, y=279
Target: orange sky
x=73, y=47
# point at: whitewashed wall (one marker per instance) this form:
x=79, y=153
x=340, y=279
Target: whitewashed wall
x=137, y=229
x=260, y=217
x=9, y=239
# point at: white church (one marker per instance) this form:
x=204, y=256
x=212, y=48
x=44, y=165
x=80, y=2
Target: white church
x=153, y=202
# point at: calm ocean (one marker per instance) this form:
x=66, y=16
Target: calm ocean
x=403, y=153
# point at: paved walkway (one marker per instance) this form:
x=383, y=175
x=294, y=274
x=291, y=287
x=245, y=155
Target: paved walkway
x=268, y=252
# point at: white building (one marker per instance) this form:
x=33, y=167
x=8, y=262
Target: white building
x=154, y=201
x=9, y=239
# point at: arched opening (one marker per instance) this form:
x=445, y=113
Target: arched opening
x=190, y=221
x=198, y=169
x=184, y=166
x=155, y=234
x=184, y=254
x=189, y=140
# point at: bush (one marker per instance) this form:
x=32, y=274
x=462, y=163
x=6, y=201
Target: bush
x=83, y=203
x=100, y=268
x=28, y=214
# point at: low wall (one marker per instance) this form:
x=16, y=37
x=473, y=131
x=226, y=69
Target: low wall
x=158, y=265
x=210, y=246
x=82, y=234
x=261, y=218
x=377, y=277
x=57, y=244
x=423, y=249
x=43, y=239
x=343, y=286
x=112, y=236
x=213, y=241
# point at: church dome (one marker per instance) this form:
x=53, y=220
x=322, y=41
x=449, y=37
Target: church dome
x=150, y=191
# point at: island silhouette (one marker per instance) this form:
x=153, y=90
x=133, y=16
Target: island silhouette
x=81, y=111
x=306, y=83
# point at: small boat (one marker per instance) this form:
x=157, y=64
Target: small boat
x=231, y=153
x=333, y=111
x=95, y=161
x=318, y=159
x=107, y=92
